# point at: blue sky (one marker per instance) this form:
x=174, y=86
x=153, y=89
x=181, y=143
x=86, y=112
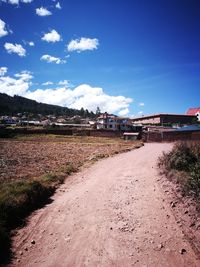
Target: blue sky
x=129, y=57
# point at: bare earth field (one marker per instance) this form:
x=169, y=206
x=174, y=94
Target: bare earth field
x=31, y=156
x=114, y=213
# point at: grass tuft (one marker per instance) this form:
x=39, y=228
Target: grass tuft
x=17, y=200
x=51, y=179
x=69, y=168
x=182, y=165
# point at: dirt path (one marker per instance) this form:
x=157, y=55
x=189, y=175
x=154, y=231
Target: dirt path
x=112, y=214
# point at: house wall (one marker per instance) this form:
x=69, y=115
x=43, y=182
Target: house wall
x=165, y=118
x=9, y=132
x=125, y=127
x=198, y=116
x=105, y=133
x=107, y=123
x=171, y=136
x=182, y=119
x=114, y=125
x=153, y=120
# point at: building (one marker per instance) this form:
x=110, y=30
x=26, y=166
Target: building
x=8, y=120
x=194, y=111
x=191, y=128
x=165, y=119
x=130, y=136
x=113, y=122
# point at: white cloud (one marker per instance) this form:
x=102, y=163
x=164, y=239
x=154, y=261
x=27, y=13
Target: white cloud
x=51, y=59
x=65, y=83
x=58, y=6
x=140, y=112
x=123, y=112
x=83, y=95
x=13, y=2
x=42, y=11
x=24, y=75
x=31, y=43
x=47, y=83
x=3, y=71
x=141, y=104
x=3, y=31
x=26, y=1
x=16, y=86
x=52, y=36
x=82, y=44
x=16, y=2
x=15, y=48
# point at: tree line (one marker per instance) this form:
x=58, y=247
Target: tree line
x=17, y=104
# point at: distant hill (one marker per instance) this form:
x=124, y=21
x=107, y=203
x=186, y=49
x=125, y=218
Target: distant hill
x=12, y=105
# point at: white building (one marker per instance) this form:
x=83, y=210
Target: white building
x=113, y=122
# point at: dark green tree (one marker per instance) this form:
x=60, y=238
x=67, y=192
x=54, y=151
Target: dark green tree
x=98, y=111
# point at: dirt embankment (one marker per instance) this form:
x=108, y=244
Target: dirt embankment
x=112, y=214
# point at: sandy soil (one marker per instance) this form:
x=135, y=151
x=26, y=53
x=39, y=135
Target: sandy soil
x=114, y=213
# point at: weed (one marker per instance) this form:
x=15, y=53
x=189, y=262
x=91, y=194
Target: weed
x=69, y=168
x=51, y=179
x=193, y=183
x=183, y=165
x=17, y=200
x=181, y=157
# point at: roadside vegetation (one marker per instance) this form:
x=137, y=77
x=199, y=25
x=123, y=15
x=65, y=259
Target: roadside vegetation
x=182, y=165
x=32, y=167
x=21, y=196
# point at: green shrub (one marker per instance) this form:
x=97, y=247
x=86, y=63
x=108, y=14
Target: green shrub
x=193, y=183
x=51, y=179
x=69, y=168
x=181, y=157
x=183, y=162
x=17, y=200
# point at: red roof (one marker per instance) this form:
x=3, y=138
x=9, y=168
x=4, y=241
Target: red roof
x=193, y=111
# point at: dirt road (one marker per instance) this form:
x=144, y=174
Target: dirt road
x=111, y=214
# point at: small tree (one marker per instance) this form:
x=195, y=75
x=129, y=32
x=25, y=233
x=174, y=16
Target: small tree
x=98, y=111
x=82, y=112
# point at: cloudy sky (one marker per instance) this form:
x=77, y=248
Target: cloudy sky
x=129, y=57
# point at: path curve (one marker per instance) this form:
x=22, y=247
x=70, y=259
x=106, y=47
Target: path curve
x=111, y=214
